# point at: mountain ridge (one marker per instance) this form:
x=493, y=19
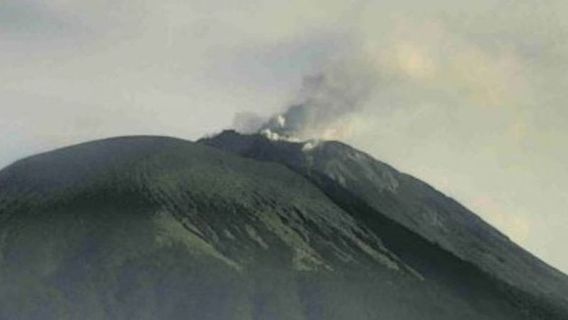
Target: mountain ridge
x=322, y=158
x=147, y=227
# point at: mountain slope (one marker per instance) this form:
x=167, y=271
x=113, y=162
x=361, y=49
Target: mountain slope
x=162, y=228
x=339, y=169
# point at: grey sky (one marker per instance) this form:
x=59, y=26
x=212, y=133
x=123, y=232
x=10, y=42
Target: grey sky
x=469, y=96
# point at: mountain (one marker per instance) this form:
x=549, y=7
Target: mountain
x=242, y=227
x=387, y=196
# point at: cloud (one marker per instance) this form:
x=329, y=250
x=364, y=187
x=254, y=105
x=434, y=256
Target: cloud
x=413, y=62
x=517, y=226
x=28, y=18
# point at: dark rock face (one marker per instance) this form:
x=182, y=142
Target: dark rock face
x=162, y=228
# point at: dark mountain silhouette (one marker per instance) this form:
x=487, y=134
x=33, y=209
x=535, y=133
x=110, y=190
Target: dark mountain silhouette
x=242, y=227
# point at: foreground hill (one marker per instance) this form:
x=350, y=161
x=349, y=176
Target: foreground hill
x=162, y=228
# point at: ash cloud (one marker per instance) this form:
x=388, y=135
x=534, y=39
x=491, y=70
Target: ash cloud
x=325, y=102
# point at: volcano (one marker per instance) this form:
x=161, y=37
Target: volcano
x=244, y=227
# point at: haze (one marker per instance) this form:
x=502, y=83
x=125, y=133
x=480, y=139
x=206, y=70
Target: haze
x=469, y=97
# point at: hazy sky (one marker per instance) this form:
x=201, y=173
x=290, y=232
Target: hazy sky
x=467, y=95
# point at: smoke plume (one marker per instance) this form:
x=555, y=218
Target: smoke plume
x=324, y=104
